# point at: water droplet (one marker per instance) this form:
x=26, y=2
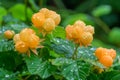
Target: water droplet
x=64, y=69
x=32, y=63
x=71, y=70
x=6, y=75
x=74, y=65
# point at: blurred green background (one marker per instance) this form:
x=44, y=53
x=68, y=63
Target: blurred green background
x=104, y=15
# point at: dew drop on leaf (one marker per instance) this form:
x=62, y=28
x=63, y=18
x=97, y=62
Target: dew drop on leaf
x=6, y=75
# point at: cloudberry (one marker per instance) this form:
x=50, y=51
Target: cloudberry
x=38, y=19
x=25, y=34
x=33, y=41
x=76, y=32
x=112, y=53
x=86, y=38
x=90, y=29
x=9, y=34
x=68, y=30
x=100, y=52
x=56, y=18
x=49, y=25
x=16, y=38
x=45, y=11
x=106, y=60
x=79, y=23
x=21, y=47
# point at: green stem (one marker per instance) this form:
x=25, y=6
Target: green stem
x=74, y=56
x=103, y=25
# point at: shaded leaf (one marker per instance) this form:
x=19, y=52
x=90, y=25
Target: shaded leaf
x=77, y=70
x=37, y=66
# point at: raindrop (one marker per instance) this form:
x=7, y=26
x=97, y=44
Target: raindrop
x=64, y=69
x=74, y=65
x=32, y=63
x=6, y=75
x=71, y=70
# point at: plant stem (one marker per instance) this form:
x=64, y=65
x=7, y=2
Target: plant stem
x=74, y=56
x=103, y=25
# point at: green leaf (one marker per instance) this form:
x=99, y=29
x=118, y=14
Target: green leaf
x=37, y=66
x=3, y=12
x=72, y=18
x=7, y=75
x=21, y=12
x=6, y=45
x=101, y=10
x=114, y=36
x=62, y=46
x=59, y=32
x=112, y=75
x=77, y=70
x=61, y=61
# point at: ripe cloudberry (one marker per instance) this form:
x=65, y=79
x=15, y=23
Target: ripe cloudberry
x=100, y=52
x=68, y=30
x=49, y=25
x=25, y=34
x=106, y=60
x=33, y=41
x=38, y=19
x=21, y=47
x=86, y=38
x=9, y=34
x=90, y=29
x=112, y=53
x=16, y=38
x=45, y=11
x=79, y=23
x=56, y=18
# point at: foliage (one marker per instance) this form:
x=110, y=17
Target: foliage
x=54, y=61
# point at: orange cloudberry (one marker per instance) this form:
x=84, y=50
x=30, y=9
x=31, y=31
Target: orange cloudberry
x=16, y=38
x=112, y=53
x=25, y=34
x=86, y=38
x=100, y=52
x=38, y=19
x=49, y=25
x=21, y=47
x=90, y=29
x=106, y=60
x=9, y=34
x=33, y=41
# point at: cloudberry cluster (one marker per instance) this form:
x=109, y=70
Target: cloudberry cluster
x=80, y=33
x=26, y=40
x=46, y=20
x=9, y=34
x=105, y=56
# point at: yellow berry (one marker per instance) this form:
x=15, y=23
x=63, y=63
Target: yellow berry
x=79, y=23
x=25, y=34
x=56, y=18
x=45, y=11
x=100, y=52
x=49, y=25
x=38, y=19
x=21, y=47
x=16, y=38
x=112, y=53
x=90, y=29
x=33, y=41
x=68, y=30
x=86, y=38
x=106, y=60
x=9, y=34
